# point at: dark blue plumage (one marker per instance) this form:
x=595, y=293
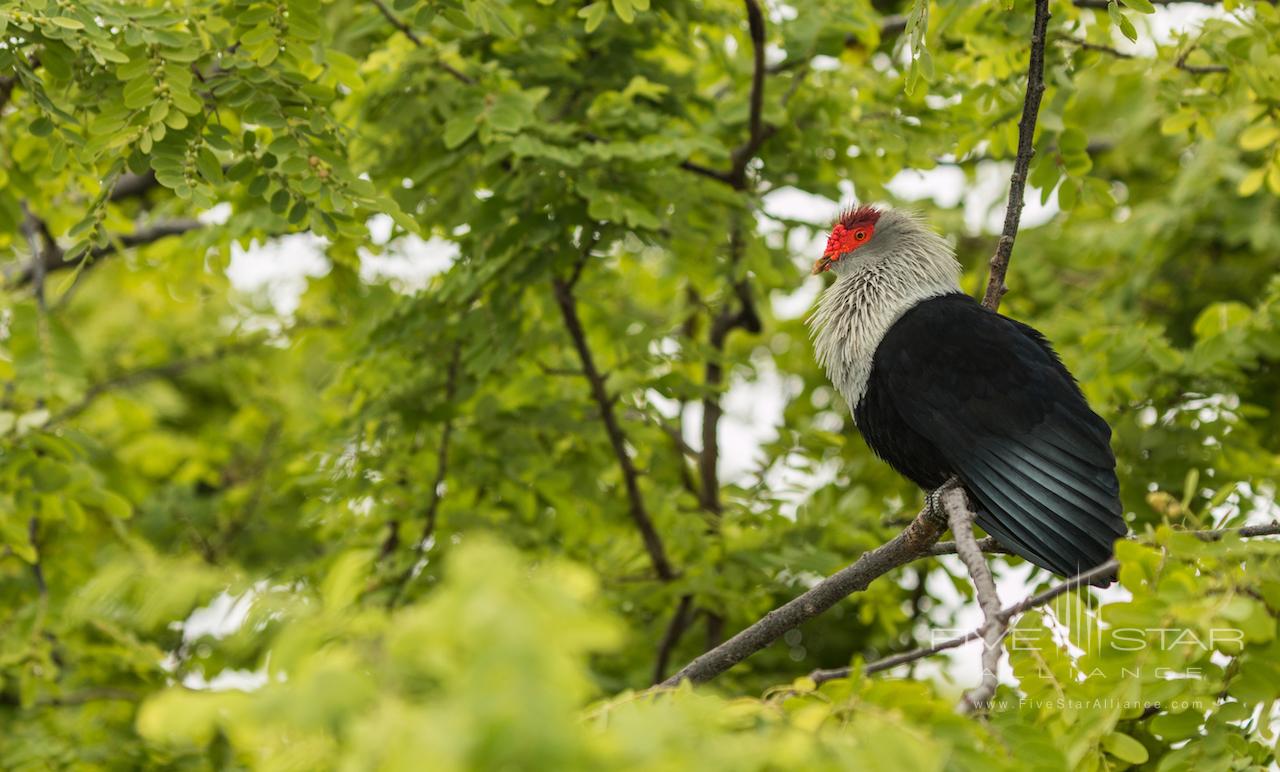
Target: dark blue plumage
x=956, y=389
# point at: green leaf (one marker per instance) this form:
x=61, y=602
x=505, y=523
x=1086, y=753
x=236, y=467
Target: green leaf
x=458, y=129
x=1141, y=6
x=1178, y=122
x=1120, y=20
x=1259, y=136
x=624, y=10
x=1125, y=748
x=1252, y=182
x=594, y=13
x=280, y=201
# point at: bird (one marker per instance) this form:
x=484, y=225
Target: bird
x=941, y=387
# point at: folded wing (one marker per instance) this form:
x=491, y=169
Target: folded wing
x=994, y=399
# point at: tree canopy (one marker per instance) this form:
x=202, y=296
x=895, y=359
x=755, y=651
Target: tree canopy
x=464, y=519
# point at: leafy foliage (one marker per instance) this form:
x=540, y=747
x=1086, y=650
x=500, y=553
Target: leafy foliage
x=406, y=495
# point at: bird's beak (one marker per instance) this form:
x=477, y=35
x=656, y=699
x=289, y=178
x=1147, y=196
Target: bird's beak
x=824, y=263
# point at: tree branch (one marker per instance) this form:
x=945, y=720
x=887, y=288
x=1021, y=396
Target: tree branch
x=988, y=544
x=960, y=514
x=9, y=82
x=1026, y=149
x=437, y=485
x=727, y=320
x=417, y=41
x=149, y=373
x=133, y=185
x=568, y=304
x=1101, y=5
x=1180, y=63
x=758, y=130
x=1007, y=614
x=1099, y=48
x=671, y=636
x=1198, y=69
x=56, y=260
x=908, y=545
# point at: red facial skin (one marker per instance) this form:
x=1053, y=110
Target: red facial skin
x=855, y=228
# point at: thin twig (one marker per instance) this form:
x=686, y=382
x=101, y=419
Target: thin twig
x=745, y=317
x=1198, y=69
x=913, y=543
x=55, y=260
x=1032, y=601
x=408, y=32
x=149, y=373
x=1180, y=63
x=568, y=304
x=436, y=493
x=908, y=545
x=671, y=636
x=38, y=268
x=37, y=566
x=248, y=513
x=988, y=544
x=9, y=82
x=590, y=239
x=758, y=130
x=960, y=514
x=1022, y=162
x=1002, y=618
x=133, y=185
x=1101, y=5
x=1098, y=47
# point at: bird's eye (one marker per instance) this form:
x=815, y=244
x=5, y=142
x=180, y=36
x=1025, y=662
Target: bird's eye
x=860, y=235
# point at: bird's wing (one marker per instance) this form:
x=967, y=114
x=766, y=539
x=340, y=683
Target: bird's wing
x=993, y=397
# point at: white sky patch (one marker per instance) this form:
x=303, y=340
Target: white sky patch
x=223, y=616
x=410, y=262
x=278, y=269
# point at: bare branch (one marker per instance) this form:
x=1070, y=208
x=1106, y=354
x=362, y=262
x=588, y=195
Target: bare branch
x=590, y=238
x=1198, y=69
x=152, y=372
x=563, y=293
x=908, y=545
x=960, y=514
x=727, y=320
x=1032, y=601
x=1101, y=5
x=133, y=185
x=33, y=229
x=671, y=636
x=56, y=260
x=758, y=130
x=1002, y=618
x=706, y=171
x=408, y=32
x=988, y=544
x=437, y=486
x=1022, y=162
x=9, y=82
x=1099, y=48
x=1180, y=63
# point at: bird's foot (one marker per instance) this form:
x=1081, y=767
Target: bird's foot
x=933, y=503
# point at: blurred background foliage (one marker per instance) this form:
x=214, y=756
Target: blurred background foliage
x=384, y=524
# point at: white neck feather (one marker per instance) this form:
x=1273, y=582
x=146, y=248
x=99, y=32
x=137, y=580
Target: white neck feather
x=903, y=264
